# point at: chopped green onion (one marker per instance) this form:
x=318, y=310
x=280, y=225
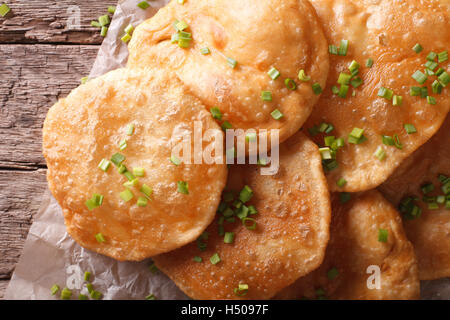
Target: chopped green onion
x=54, y=289
x=387, y=140
x=216, y=114
x=123, y=145
x=369, y=63
x=231, y=62
x=344, y=78
x=4, y=10
x=343, y=90
x=250, y=137
x=323, y=127
x=139, y=172
x=129, y=29
x=382, y=235
x=246, y=194
x=442, y=56
x=440, y=199
x=335, y=89
x=415, y=91
x=143, y=5
x=444, y=79
x=417, y=48
x=82, y=297
x=341, y=182
x=437, y=87
x=229, y=237
x=433, y=206
x=332, y=49
x=183, y=187
x=142, y=202
x=439, y=72
x=104, y=165
x=100, y=238
x=112, y=9
x=126, y=38
x=385, y=93
x=332, y=273
x=356, y=82
x=251, y=226
x=344, y=197
x=131, y=184
x=87, y=276
x=303, y=77
x=317, y=89
x=431, y=56
x=431, y=65
x=397, y=100
x=290, y=84
x=330, y=165
x=419, y=76
x=343, y=48
x=357, y=133
x=175, y=160
x=354, y=66
x=266, y=95
x=273, y=73
x=241, y=290
x=226, y=125
x=215, y=259
x=96, y=24
x=84, y=80
x=329, y=140
x=126, y=195
x=252, y=210
x=427, y=188
x=410, y=128
x=276, y=114
x=122, y=169
x=431, y=100
x=423, y=92
x=104, y=20
x=129, y=175
x=90, y=287
x=130, y=129
x=205, y=51
x=197, y=259
x=380, y=153
x=150, y=297
x=325, y=153
x=66, y=294
x=96, y=295
x=104, y=31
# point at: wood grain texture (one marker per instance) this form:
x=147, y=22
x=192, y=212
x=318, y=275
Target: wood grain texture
x=21, y=194
x=33, y=78
x=44, y=21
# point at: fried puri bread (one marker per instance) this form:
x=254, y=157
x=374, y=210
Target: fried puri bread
x=428, y=230
x=148, y=110
x=385, y=31
x=292, y=230
x=258, y=36
x=354, y=247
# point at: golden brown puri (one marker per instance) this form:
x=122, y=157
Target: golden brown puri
x=353, y=247
x=259, y=35
x=429, y=233
x=88, y=126
x=289, y=240
x=385, y=31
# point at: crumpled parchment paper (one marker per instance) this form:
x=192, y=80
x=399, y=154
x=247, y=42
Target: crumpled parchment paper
x=50, y=256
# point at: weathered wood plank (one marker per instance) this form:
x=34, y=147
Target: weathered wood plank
x=44, y=21
x=3, y=286
x=20, y=197
x=33, y=78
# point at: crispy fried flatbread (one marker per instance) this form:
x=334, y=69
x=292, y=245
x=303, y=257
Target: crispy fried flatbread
x=429, y=233
x=88, y=126
x=289, y=240
x=259, y=35
x=385, y=31
x=354, y=247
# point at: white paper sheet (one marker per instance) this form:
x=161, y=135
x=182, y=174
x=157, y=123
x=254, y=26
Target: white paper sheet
x=50, y=256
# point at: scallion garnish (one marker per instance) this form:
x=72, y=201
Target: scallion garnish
x=266, y=95
x=215, y=259
x=419, y=76
x=276, y=114
x=126, y=195
x=290, y=84
x=410, y=128
x=246, y=194
x=183, y=187
x=104, y=165
x=380, y=153
x=273, y=73
x=343, y=48
x=382, y=235
x=143, y=5
x=216, y=114
x=100, y=238
x=303, y=77
x=66, y=294
x=417, y=48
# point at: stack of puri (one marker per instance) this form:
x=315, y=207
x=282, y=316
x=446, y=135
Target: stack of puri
x=357, y=207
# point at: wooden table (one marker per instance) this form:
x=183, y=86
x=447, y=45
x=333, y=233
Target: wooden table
x=41, y=60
